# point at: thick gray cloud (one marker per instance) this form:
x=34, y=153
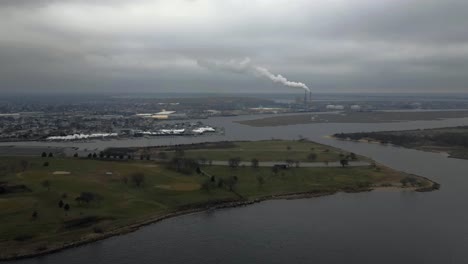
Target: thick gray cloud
x=143, y=45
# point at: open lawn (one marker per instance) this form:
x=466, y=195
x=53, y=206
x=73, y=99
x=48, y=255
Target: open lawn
x=30, y=193
x=267, y=150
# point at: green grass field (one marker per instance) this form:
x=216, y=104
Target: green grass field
x=269, y=150
x=163, y=190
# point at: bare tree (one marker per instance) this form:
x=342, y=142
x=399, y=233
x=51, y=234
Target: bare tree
x=46, y=184
x=87, y=197
x=275, y=170
x=24, y=164
x=231, y=183
x=312, y=157
x=234, y=162
x=34, y=215
x=344, y=162
x=137, y=178
x=254, y=163
x=260, y=180
x=66, y=207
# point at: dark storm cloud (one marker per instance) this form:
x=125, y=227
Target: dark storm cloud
x=143, y=45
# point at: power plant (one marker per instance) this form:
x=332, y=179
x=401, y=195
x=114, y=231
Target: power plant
x=307, y=101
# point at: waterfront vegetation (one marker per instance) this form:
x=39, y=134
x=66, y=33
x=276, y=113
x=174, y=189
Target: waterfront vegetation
x=265, y=150
x=49, y=202
x=452, y=140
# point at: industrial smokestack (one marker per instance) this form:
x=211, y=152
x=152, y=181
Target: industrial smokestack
x=245, y=66
x=305, y=98
x=310, y=97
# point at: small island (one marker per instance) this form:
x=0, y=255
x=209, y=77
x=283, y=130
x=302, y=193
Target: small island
x=49, y=203
x=450, y=140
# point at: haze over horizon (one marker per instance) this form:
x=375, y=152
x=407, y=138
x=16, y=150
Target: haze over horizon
x=388, y=46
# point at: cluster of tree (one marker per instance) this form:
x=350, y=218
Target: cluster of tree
x=65, y=206
x=103, y=155
x=228, y=183
x=45, y=155
x=344, y=162
x=277, y=167
x=143, y=157
x=183, y=165
x=138, y=178
x=254, y=163
x=312, y=156
x=410, y=181
x=234, y=162
x=88, y=197
x=61, y=204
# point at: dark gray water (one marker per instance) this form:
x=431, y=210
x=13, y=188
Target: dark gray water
x=375, y=227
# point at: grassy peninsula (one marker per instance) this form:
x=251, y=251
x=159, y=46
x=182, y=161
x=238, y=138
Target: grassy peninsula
x=49, y=203
x=451, y=140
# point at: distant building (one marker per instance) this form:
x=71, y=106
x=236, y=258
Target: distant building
x=213, y=112
x=356, y=107
x=160, y=115
x=261, y=109
x=144, y=115
x=163, y=114
x=335, y=107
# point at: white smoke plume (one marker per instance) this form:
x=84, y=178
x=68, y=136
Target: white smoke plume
x=246, y=66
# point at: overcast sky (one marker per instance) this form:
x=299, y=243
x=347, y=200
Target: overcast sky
x=153, y=46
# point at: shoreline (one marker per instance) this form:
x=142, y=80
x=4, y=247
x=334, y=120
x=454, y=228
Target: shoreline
x=213, y=205
x=379, y=142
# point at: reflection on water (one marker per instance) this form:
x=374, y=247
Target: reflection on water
x=375, y=227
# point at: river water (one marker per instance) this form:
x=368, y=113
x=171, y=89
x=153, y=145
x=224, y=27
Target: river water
x=374, y=227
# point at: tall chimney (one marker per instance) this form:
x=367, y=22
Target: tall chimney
x=305, y=97
x=310, y=97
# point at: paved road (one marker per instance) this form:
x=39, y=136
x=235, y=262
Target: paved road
x=302, y=164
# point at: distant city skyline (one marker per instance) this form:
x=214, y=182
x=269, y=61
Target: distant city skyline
x=142, y=46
